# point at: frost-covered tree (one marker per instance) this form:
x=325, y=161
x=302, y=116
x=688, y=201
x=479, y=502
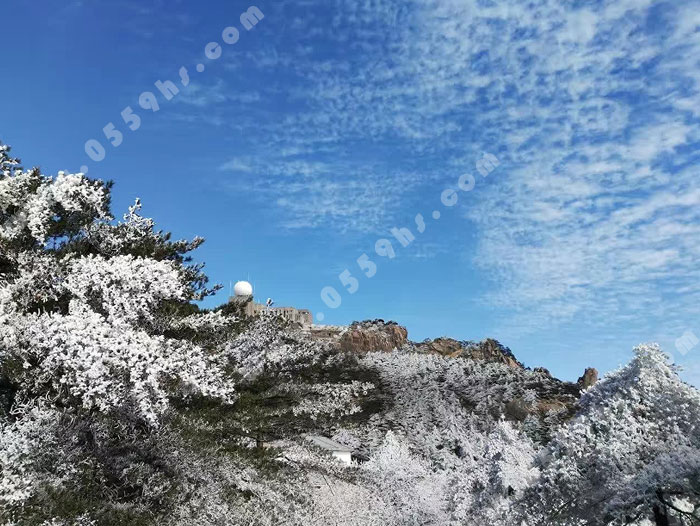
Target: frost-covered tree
x=631, y=454
x=289, y=384
x=86, y=355
x=408, y=482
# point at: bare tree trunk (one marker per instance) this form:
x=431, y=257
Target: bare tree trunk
x=660, y=515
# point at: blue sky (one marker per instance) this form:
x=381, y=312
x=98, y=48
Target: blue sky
x=333, y=121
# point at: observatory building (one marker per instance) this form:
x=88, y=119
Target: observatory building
x=243, y=293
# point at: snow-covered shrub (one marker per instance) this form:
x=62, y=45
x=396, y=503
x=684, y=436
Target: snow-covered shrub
x=29, y=454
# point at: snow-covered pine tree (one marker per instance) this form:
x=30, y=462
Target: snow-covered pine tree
x=85, y=362
x=289, y=384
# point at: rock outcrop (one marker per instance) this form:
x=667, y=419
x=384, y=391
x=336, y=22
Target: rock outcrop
x=488, y=350
x=491, y=350
x=442, y=346
x=381, y=336
x=589, y=378
x=373, y=336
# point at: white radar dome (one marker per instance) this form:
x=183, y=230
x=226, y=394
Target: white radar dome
x=243, y=288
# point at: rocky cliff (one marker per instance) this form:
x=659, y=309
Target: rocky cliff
x=488, y=350
x=374, y=335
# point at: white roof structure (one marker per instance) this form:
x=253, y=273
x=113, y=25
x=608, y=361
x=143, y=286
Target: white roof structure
x=328, y=444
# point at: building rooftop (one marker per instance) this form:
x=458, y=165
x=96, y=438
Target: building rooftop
x=327, y=443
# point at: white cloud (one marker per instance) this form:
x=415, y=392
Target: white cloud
x=203, y=95
x=200, y=95
x=237, y=165
x=593, y=215
x=319, y=194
